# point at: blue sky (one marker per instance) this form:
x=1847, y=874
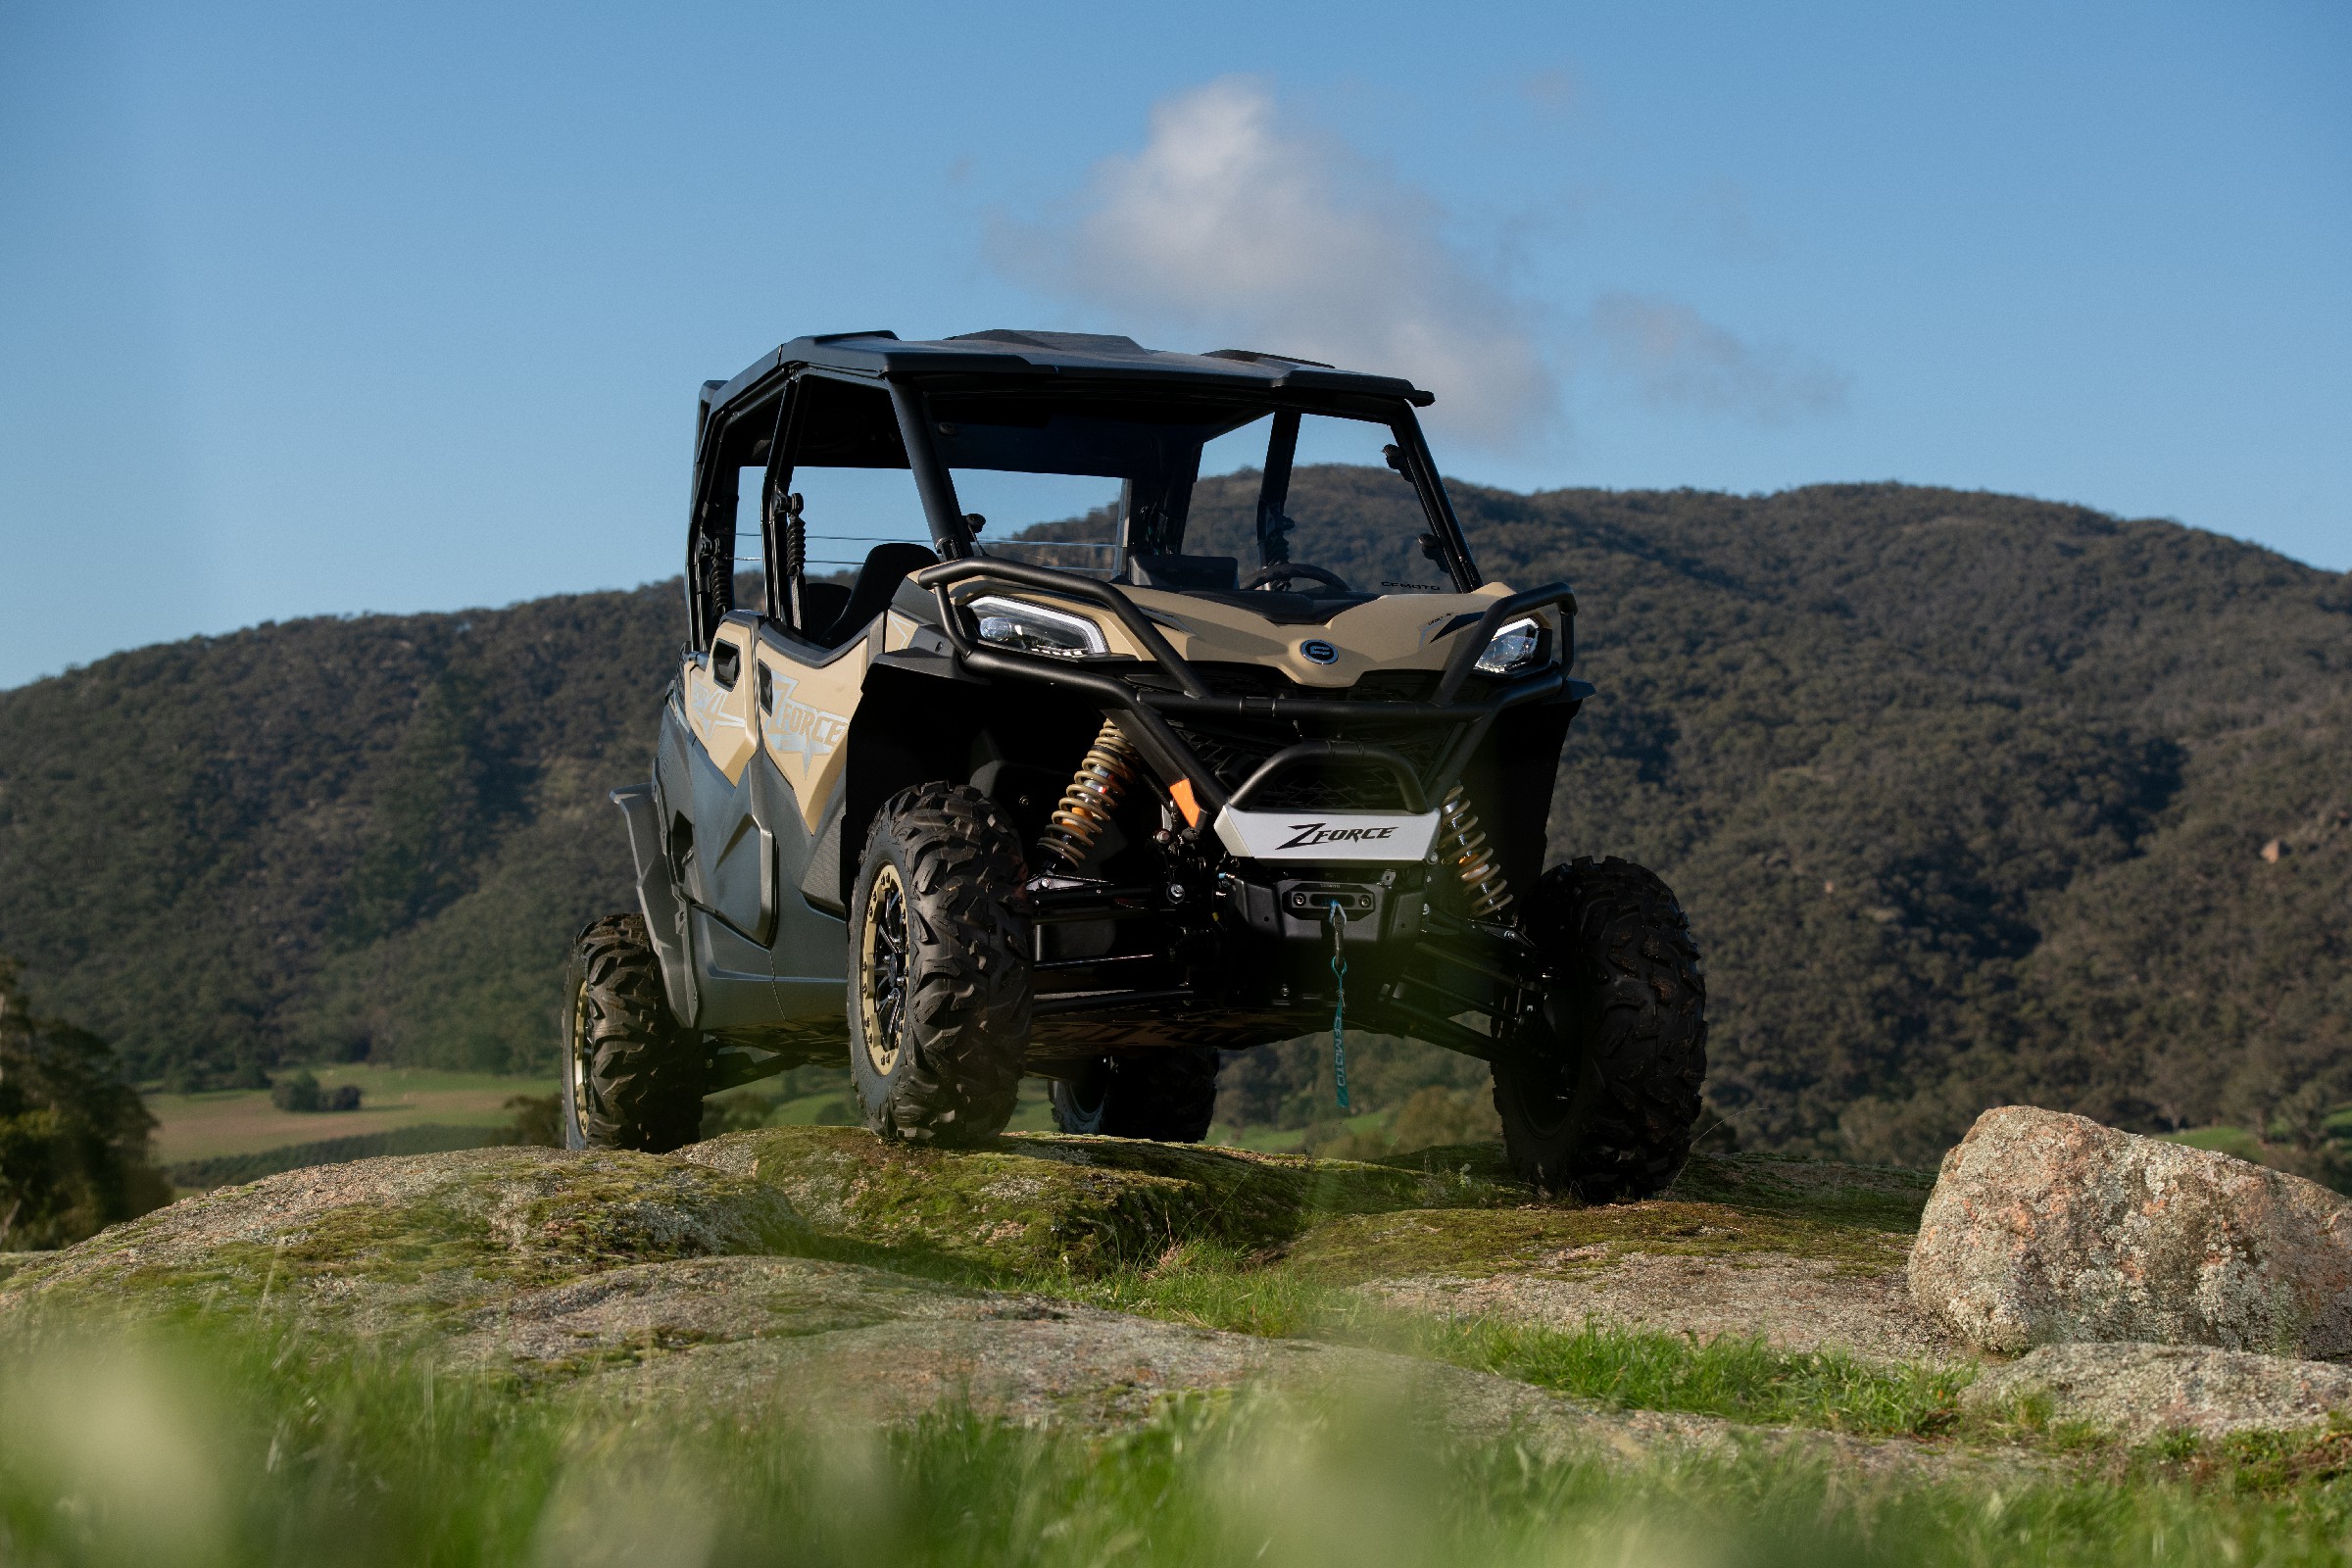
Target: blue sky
x=316, y=309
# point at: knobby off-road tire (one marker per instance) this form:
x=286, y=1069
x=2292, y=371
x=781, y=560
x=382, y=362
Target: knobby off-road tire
x=939, y=967
x=1603, y=1101
x=632, y=1077
x=1168, y=1095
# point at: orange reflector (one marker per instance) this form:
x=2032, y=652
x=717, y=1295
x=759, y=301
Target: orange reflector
x=1180, y=792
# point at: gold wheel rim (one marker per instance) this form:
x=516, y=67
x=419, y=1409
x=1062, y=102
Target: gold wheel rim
x=882, y=970
x=576, y=1068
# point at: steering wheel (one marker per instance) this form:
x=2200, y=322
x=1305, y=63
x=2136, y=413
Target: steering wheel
x=1286, y=573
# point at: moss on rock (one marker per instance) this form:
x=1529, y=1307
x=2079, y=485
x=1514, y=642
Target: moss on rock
x=381, y=1240
x=1868, y=1197
x=1857, y=1218
x=1572, y=1241
x=1034, y=1201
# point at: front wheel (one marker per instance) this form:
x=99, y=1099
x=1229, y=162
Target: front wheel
x=939, y=969
x=1601, y=1096
x=632, y=1077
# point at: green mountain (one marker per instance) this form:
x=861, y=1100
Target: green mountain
x=1971, y=798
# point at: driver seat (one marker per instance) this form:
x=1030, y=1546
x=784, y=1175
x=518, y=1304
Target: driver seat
x=886, y=566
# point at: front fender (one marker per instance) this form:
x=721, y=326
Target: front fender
x=658, y=897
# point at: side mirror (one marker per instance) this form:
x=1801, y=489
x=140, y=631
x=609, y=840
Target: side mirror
x=1395, y=456
x=1433, y=548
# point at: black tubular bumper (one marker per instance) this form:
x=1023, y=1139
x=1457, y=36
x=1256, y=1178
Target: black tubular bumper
x=1168, y=752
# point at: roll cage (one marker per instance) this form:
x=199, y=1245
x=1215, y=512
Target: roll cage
x=880, y=417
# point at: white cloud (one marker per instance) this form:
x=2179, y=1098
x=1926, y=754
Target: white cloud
x=1229, y=225
x=1675, y=358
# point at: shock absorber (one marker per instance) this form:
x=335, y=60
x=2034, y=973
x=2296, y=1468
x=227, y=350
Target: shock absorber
x=1094, y=794
x=1463, y=847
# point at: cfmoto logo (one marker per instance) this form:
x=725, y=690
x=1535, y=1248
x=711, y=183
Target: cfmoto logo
x=1321, y=652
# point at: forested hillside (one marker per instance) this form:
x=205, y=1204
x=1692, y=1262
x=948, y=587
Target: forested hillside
x=1971, y=799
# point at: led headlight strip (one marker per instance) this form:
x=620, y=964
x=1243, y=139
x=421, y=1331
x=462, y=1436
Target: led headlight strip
x=1034, y=629
x=1518, y=645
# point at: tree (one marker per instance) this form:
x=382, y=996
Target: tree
x=72, y=1133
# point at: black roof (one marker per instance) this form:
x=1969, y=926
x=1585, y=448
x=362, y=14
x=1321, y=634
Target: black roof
x=1090, y=355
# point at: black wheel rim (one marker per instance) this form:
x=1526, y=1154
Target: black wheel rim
x=884, y=970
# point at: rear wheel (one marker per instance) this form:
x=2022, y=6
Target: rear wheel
x=632, y=1077
x=1168, y=1095
x=939, y=982
x=1603, y=1094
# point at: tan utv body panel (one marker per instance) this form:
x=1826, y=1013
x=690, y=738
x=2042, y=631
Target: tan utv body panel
x=721, y=719
x=807, y=718
x=813, y=704
x=810, y=719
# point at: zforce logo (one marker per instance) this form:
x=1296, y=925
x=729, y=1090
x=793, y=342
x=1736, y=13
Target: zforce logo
x=1306, y=835
x=798, y=728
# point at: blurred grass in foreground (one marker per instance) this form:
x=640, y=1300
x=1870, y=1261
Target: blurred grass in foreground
x=199, y=1445
x=1742, y=1380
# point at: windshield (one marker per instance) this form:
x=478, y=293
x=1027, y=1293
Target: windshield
x=1195, y=495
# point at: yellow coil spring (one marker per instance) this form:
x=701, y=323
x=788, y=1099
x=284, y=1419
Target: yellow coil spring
x=1094, y=794
x=1483, y=883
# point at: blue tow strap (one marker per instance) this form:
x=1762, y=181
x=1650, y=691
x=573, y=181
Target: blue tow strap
x=1339, y=1002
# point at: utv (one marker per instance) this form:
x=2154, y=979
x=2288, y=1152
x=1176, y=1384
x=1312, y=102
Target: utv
x=1055, y=706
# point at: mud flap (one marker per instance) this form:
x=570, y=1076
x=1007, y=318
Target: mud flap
x=664, y=911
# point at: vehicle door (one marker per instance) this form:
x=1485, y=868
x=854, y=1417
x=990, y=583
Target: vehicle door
x=842, y=514
x=724, y=843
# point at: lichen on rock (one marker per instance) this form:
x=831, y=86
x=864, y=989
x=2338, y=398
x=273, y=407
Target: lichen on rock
x=2046, y=1229
x=2138, y=1391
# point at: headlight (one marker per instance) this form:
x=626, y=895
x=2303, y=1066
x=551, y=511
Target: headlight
x=1516, y=646
x=1035, y=630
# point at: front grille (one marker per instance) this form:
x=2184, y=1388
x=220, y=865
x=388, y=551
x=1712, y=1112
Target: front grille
x=1234, y=751
x=1330, y=786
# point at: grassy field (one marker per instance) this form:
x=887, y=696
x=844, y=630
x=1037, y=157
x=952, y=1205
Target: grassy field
x=243, y=1121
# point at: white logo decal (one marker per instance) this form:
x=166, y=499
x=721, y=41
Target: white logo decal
x=707, y=698
x=798, y=729
x=1341, y=836
x=1309, y=833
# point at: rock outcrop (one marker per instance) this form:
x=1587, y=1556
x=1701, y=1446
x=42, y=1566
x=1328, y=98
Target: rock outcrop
x=824, y=1272
x=420, y=1237
x=2051, y=1229
x=2138, y=1391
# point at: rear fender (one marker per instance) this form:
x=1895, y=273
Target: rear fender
x=658, y=897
